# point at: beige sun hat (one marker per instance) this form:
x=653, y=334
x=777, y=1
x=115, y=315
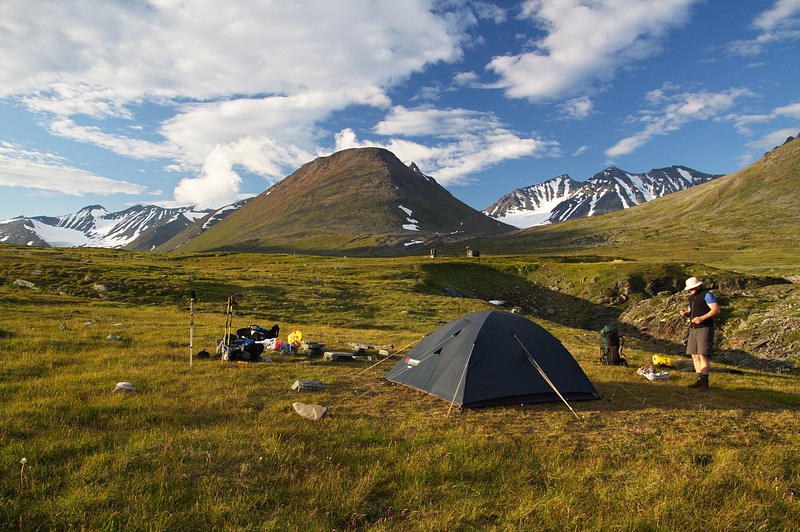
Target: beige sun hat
x=693, y=282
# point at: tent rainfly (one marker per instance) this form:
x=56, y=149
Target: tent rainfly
x=493, y=358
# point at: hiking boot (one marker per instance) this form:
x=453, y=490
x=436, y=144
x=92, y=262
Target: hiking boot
x=698, y=383
x=703, y=383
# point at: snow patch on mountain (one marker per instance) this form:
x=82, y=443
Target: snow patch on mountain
x=61, y=237
x=412, y=225
x=217, y=216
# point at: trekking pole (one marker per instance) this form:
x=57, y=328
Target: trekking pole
x=224, y=349
x=192, y=299
x=228, y=321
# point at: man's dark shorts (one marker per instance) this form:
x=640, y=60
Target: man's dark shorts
x=701, y=341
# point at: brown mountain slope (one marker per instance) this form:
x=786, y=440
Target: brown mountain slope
x=361, y=200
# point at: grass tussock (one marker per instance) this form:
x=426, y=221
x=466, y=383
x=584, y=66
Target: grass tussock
x=218, y=445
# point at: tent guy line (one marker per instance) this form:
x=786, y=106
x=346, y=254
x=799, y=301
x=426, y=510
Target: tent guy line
x=542, y=373
x=390, y=356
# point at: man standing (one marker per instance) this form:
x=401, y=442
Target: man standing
x=702, y=308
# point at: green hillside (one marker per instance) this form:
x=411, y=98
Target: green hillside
x=749, y=219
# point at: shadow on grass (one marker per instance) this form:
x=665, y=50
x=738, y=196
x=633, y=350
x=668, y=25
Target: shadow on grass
x=673, y=394
x=487, y=283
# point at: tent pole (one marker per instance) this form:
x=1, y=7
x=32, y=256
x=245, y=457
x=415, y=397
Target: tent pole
x=460, y=381
x=542, y=373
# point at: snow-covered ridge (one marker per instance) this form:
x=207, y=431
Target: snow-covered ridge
x=563, y=198
x=94, y=226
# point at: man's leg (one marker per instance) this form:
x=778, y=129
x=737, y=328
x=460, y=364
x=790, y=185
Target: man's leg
x=702, y=372
x=696, y=360
x=700, y=341
x=705, y=345
x=701, y=364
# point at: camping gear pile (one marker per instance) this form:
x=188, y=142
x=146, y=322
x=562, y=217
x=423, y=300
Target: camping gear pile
x=249, y=343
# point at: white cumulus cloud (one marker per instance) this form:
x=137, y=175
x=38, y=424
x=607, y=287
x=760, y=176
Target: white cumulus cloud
x=585, y=42
x=674, y=112
x=219, y=181
x=577, y=108
x=49, y=174
x=464, y=141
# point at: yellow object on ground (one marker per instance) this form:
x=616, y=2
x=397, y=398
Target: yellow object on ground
x=295, y=337
x=658, y=360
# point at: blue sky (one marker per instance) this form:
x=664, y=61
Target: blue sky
x=203, y=103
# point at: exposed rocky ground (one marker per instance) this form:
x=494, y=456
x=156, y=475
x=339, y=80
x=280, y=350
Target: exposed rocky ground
x=759, y=327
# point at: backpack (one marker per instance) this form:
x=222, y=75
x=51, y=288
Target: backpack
x=611, y=347
x=259, y=334
x=242, y=349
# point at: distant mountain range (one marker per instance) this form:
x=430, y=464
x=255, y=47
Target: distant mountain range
x=562, y=198
x=364, y=200
x=140, y=227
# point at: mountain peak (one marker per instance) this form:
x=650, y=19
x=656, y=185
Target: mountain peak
x=607, y=191
x=353, y=198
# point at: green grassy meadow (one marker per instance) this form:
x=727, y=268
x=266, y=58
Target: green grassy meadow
x=218, y=446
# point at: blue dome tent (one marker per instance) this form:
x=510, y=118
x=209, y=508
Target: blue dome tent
x=493, y=358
